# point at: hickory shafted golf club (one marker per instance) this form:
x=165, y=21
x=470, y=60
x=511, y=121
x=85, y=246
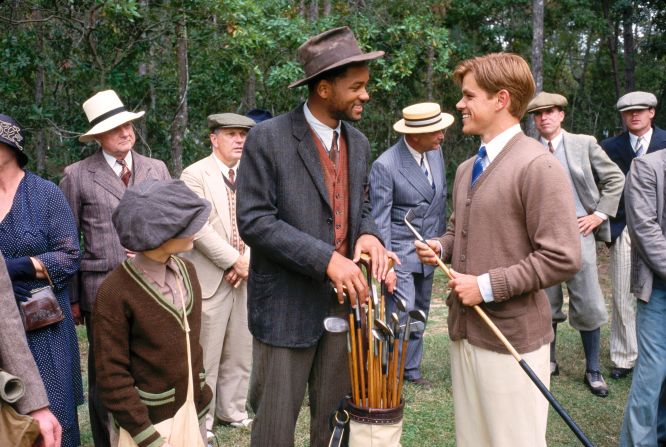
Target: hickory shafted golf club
x=409, y=217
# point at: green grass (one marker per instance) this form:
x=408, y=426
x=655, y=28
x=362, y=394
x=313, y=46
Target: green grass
x=428, y=419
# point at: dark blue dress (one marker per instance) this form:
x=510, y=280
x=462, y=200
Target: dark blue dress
x=41, y=224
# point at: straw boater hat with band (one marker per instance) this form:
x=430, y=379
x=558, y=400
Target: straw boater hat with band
x=423, y=118
x=105, y=111
x=11, y=135
x=328, y=50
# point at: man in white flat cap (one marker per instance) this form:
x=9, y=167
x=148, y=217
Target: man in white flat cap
x=638, y=110
x=597, y=185
x=93, y=188
x=410, y=175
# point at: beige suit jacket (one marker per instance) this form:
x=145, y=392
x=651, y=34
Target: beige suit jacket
x=213, y=252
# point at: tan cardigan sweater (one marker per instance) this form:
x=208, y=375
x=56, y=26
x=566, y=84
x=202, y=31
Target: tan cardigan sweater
x=517, y=223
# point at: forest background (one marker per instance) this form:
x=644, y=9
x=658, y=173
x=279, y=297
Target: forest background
x=182, y=60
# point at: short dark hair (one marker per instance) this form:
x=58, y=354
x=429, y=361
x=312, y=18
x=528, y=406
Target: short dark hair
x=332, y=74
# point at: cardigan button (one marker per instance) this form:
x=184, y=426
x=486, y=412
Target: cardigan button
x=464, y=233
x=329, y=220
x=468, y=202
x=462, y=258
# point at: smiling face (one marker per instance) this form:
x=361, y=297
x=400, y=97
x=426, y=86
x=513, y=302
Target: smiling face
x=549, y=122
x=118, y=141
x=477, y=108
x=638, y=121
x=346, y=94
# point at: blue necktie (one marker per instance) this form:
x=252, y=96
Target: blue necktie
x=425, y=171
x=477, y=169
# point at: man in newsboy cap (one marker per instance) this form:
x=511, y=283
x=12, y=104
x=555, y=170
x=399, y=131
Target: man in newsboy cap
x=597, y=187
x=302, y=207
x=93, y=187
x=222, y=259
x=641, y=137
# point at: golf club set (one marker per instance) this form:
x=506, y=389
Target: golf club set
x=376, y=346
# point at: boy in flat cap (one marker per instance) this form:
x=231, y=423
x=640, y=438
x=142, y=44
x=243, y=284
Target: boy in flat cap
x=140, y=329
x=410, y=175
x=221, y=259
x=597, y=187
x=638, y=110
x=303, y=207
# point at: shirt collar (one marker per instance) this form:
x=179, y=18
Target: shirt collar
x=156, y=271
x=555, y=141
x=324, y=132
x=224, y=168
x=113, y=162
x=633, y=139
x=495, y=146
x=416, y=154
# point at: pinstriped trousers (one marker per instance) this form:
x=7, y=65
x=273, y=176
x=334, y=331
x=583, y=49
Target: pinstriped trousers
x=623, y=344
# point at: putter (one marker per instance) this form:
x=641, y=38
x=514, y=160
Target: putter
x=409, y=217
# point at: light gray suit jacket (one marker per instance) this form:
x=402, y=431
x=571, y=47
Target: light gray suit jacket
x=598, y=181
x=213, y=252
x=15, y=355
x=397, y=184
x=644, y=204
x=93, y=191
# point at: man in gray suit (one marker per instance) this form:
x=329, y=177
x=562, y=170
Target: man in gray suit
x=597, y=187
x=411, y=175
x=303, y=208
x=645, y=415
x=93, y=187
x=16, y=359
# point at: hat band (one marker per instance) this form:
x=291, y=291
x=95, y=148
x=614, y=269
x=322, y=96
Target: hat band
x=106, y=115
x=424, y=122
x=11, y=133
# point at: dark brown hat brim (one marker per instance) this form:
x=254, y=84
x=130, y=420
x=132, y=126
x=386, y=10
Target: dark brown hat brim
x=350, y=60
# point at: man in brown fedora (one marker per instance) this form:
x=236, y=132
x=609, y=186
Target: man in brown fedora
x=302, y=208
x=93, y=188
x=410, y=175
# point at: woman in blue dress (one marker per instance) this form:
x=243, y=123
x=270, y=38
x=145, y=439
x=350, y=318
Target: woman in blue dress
x=37, y=232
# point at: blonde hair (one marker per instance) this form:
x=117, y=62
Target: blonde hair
x=501, y=71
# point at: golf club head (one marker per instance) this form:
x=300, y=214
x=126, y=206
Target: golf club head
x=384, y=328
x=414, y=326
x=418, y=315
x=336, y=325
x=400, y=304
x=409, y=217
x=395, y=324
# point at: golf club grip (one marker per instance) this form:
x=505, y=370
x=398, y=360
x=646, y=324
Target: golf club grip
x=555, y=404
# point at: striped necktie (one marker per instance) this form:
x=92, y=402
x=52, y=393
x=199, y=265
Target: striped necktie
x=477, y=169
x=125, y=173
x=640, y=147
x=424, y=168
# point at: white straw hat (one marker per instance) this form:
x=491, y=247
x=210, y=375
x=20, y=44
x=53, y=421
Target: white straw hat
x=105, y=111
x=423, y=118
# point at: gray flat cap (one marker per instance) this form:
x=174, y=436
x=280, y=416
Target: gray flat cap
x=229, y=120
x=152, y=212
x=636, y=101
x=545, y=100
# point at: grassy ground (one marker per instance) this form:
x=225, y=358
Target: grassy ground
x=428, y=419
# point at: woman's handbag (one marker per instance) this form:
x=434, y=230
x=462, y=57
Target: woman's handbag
x=42, y=308
x=15, y=429
x=183, y=429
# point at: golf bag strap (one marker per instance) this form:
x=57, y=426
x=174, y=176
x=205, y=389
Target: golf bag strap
x=339, y=424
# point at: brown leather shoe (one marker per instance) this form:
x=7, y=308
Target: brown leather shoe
x=421, y=382
x=596, y=383
x=618, y=373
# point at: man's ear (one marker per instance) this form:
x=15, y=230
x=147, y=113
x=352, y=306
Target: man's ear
x=503, y=99
x=324, y=89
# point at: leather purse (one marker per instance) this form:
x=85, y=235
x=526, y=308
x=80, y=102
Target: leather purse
x=42, y=308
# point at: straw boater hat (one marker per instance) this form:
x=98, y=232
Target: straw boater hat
x=545, y=100
x=423, y=118
x=636, y=101
x=328, y=50
x=105, y=111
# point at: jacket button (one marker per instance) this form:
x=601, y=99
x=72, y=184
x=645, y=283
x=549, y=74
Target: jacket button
x=468, y=202
x=464, y=233
x=462, y=258
x=329, y=220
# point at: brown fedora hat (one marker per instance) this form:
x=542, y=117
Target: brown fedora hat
x=330, y=49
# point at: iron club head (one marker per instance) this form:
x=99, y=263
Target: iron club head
x=409, y=218
x=336, y=325
x=418, y=315
x=400, y=304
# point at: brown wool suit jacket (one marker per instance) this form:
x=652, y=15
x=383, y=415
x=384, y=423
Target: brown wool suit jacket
x=15, y=355
x=213, y=252
x=93, y=191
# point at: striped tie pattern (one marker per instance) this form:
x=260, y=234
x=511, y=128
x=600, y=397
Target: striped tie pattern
x=477, y=169
x=424, y=168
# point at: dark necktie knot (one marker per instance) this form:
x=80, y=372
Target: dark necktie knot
x=125, y=173
x=334, y=153
x=550, y=147
x=232, y=176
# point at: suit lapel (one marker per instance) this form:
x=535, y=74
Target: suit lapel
x=436, y=168
x=140, y=169
x=412, y=172
x=626, y=151
x=215, y=182
x=104, y=176
x=308, y=152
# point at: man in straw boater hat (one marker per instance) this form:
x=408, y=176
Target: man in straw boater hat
x=512, y=233
x=222, y=260
x=410, y=175
x=597, y=187
x=641, y=137
x=303, y=210
x=93, y=188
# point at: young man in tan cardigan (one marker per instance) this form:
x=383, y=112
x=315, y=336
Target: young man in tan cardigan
x=512, y=233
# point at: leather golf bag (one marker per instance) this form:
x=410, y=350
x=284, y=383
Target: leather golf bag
x=375, y=427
